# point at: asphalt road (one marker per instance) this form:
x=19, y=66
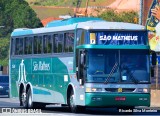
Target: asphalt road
x=11, y=106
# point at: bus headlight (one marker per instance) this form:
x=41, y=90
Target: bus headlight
x=145, y=90
x=88, y=89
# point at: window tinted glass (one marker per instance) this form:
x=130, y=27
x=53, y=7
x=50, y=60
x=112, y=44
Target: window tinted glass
x=19, y=46
x=60, y=43
x=47, y=44
x=28, y=45
x=69, y=42
x=13, y=46
x=55, y=45
x=37, y=45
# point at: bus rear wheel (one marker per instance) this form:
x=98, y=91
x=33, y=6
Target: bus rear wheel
x=31, y=104
x=29, y=99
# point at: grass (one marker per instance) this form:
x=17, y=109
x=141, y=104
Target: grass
x=69, y=3
x=45, y=12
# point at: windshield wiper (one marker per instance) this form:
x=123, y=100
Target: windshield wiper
x=130, y=74
x=111, y=73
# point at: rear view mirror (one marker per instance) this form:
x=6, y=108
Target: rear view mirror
x=82, y=58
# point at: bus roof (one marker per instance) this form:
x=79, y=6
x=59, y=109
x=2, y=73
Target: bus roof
x=71, y=21
x=83, y=23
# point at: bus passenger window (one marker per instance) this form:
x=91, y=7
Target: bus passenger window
x=19, y=46
x=28, y=45
x=71, y=42
x=55, y=41
x=13, y=47
x=47, y=44
x=37, y=45
x=60, y=43
x=68, y=42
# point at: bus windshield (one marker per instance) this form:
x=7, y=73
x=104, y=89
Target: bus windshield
x=118, y=66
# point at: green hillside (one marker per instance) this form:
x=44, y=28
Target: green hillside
x=69, y=3
x=61, y=7
x=45, y=12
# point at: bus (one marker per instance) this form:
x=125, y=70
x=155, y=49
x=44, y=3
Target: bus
x=81, y=62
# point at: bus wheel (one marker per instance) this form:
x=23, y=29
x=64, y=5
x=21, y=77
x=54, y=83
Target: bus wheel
x=29, y=99
x=23, y=101
x=31, y=104
x=74, y=108
x=72, y=105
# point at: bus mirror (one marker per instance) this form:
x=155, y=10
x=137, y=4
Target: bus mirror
x=154, y=58
x=82, y=58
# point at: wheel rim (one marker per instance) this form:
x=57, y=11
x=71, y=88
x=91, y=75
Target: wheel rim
x=29, y=100
x=72, y=101
x=24, y=98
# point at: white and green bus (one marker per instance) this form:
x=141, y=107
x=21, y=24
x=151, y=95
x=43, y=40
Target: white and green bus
x=81, y=62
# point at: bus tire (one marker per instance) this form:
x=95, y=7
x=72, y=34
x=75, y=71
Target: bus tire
x=29, y=99
x=72, y=105
x=31, y=104
x=23, y=101
x=74, y=108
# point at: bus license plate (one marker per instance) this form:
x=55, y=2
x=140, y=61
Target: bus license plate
x=120, y=98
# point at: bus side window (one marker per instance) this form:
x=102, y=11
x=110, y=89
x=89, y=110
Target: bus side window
x=71, y=42
x=37, y=45
x=28, y=45
x=68, y=42
x=18, y=46
x=55, y=41
x=47, y=44
x=60, y=43
x=21, y=49
x=12, y=46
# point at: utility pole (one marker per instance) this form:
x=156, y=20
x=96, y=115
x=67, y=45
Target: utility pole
x=141, y=12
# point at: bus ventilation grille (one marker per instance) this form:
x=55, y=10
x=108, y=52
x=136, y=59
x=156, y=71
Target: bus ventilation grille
x=123, y=89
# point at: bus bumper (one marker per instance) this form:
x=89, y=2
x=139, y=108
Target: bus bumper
x=117, y=99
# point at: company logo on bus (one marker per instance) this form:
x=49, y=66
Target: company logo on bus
x=41, y=66
x=129, y=38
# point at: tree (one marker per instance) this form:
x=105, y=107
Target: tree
x=111, y=15
x=14, y=14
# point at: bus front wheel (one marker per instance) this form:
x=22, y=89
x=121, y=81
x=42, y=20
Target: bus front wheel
x=73, y=107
